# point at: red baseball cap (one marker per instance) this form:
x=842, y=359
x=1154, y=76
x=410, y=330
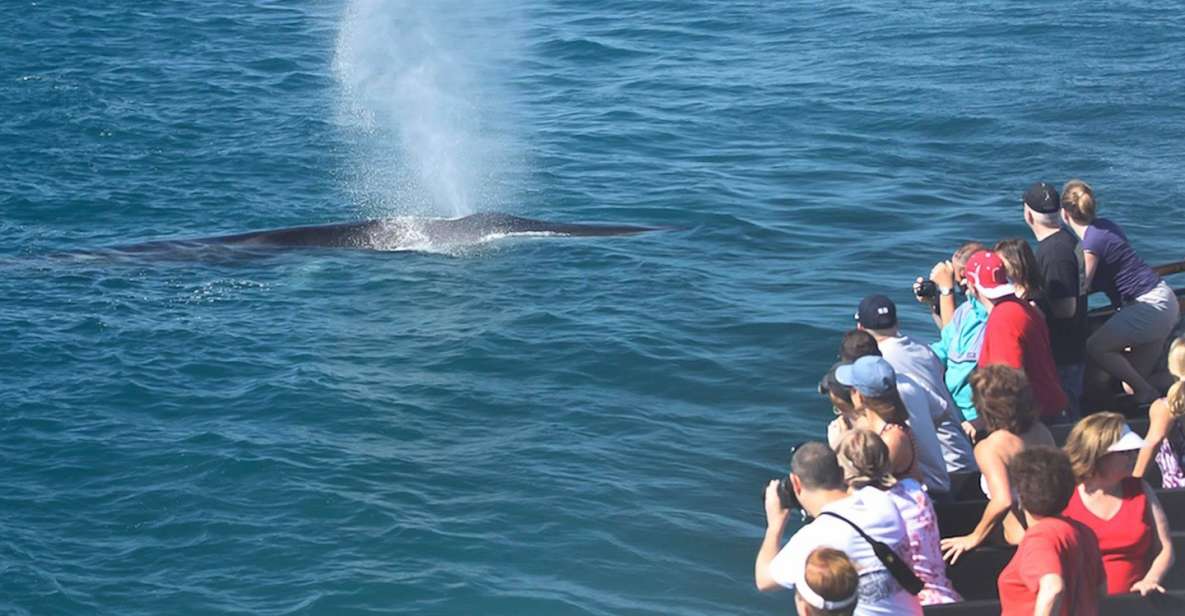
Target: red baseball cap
x=985, y=269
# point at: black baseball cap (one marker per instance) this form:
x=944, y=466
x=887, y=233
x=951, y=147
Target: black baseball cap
x=1042, y=197
x=877, y=312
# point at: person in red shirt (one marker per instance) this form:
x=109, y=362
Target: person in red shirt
x=1122, y=510
x=1015, y=334
x=1057, y=568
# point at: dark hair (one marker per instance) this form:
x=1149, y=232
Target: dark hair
x=1021, y=266
x=856, y=344
x=816, y=467
x=1003, y=397
x=888, y=406
x=1043, y=478
x=830, y=385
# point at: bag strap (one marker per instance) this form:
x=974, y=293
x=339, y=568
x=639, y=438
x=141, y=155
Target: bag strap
x=901, y=572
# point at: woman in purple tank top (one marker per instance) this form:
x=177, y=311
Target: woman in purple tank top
x=1166, y=427
x=1147, y=305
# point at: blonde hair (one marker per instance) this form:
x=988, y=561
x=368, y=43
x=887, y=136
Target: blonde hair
x=1089, y=440
x=1078, y=201
x=1176, y=395
x=864, y=458
x=832, y=576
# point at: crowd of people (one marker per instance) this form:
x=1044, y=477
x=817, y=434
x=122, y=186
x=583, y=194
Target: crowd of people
x=920, y=424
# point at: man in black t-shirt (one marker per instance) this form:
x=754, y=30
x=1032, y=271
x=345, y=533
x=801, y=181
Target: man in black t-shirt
x=1059, y=255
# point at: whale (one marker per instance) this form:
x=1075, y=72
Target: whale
x=392, y=234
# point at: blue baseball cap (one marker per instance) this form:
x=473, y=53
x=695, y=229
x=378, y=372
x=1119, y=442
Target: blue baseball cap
x=870, y=375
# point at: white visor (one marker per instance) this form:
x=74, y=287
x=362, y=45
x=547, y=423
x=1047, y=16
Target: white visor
x=816, y=601
x=996, y=292
x=1128, y=440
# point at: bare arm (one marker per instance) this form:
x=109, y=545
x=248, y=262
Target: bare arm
x=943, y=275
x=775, y=525
x=994, y=469
x=1159, y=422
x=1049, y=595
x=1164, y=544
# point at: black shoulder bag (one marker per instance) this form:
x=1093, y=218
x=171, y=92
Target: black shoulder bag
x=901, y=571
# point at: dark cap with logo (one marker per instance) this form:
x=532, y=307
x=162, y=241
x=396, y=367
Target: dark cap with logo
x=877, y=312
x=1042, y=197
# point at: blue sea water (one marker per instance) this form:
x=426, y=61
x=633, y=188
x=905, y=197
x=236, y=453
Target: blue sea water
x=529, y=425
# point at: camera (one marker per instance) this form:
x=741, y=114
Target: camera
x=785, y=494
x=926, y=289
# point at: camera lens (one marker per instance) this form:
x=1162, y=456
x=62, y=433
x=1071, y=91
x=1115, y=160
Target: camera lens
x=786, y=494
x=926, y=289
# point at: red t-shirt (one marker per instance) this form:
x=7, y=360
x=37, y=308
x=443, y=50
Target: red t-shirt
x=1054, y=545
x=1016, y=335
x=1125, y=540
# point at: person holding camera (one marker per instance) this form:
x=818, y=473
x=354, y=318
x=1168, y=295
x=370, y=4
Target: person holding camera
x=961, y=331
x=864, y=524
x=828, y=586
x=946, y=280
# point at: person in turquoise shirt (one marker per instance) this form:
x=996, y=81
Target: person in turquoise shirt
x=958, y=349
x=962, y=333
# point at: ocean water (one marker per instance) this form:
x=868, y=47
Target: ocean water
x=532, y=425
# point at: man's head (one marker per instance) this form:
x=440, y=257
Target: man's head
x=816, y=476
x=1043, y=479
x=877, y=314
x=959, y=260
x=1042, y=207
x=856, y=344
x=986, y=273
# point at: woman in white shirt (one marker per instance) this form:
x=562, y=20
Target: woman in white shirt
x=864, y=458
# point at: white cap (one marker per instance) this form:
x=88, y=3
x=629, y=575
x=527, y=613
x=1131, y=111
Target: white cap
x=1128, y=440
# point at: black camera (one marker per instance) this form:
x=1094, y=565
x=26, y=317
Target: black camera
x=785, y=494
x=926, y=289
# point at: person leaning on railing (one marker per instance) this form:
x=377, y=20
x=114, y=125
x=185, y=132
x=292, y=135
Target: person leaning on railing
x=828, y=586
x=865, y=462
x=1057, y=568
x=1123, y=511
x=1148, y=307
x=1004, y=398
x=1165, y=441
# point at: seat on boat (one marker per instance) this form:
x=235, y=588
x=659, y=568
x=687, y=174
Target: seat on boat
x=976, y=572
x=1170, y=604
